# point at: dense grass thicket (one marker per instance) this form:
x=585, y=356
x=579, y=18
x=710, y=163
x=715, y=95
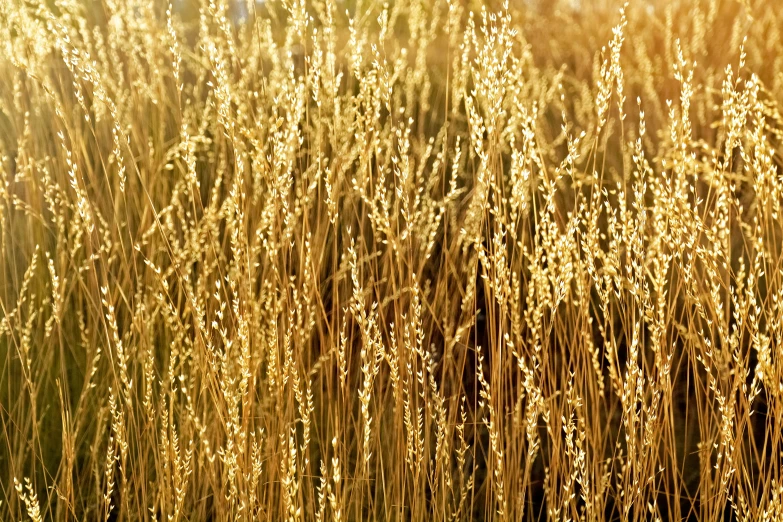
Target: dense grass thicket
x=354, y=260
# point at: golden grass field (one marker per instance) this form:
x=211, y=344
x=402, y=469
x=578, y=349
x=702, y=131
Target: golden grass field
x=424, y=260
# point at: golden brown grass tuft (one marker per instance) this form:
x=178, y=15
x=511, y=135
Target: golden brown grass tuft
x=345, y=260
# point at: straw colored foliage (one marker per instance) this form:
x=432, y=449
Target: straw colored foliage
x=347, y=260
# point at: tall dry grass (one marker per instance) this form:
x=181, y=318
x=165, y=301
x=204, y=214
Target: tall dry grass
x=345, y=260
